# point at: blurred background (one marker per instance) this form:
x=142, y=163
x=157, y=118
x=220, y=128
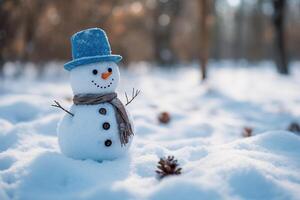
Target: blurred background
x=165, y=32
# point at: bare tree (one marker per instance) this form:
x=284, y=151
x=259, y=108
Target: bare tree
x=239, y=20
x=7, y=27
x=279, y=40
x=217, y=35
x=165, y=15
x=204, y=36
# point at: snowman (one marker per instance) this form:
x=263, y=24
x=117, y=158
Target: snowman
x=98, y=126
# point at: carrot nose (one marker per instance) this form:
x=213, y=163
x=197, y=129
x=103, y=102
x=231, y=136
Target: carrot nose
x=105, y=75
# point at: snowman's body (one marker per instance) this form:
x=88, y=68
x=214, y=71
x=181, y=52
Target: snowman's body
x=92, y=133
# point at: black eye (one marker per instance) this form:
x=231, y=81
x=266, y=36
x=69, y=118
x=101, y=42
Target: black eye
x=109, y=69
x=95, y=72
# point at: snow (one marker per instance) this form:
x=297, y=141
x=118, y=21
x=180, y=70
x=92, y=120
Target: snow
x=204, y=134
x=82, y=136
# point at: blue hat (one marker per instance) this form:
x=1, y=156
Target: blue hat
x=90, y=46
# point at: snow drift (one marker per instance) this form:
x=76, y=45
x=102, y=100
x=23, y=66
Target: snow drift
x=204, y=134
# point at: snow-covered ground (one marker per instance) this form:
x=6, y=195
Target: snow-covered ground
x=204, y=135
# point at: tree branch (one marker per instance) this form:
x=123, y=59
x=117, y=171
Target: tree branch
x=135, y=93
x=57, y=105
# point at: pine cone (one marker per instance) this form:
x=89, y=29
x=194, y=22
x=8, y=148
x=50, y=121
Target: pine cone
x=164, y=117
x=294, y=127
x=247, y=131
x=167, y=166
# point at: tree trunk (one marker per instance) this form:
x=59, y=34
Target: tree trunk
x=1, y=67
x=279, y=40
x=238, y=41
x=217, y=45
x=165, y=15
x=204, y=39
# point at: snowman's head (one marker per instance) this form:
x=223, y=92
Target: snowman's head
x=95, y=78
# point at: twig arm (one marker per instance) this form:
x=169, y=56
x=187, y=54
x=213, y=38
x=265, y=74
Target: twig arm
x=135, y=93
x=57, y=105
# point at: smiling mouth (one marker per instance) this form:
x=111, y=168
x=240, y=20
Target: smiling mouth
x=101, y=86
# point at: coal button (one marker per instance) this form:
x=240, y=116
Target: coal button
x=102, y=111
x=106, y=125
x=108, y=143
